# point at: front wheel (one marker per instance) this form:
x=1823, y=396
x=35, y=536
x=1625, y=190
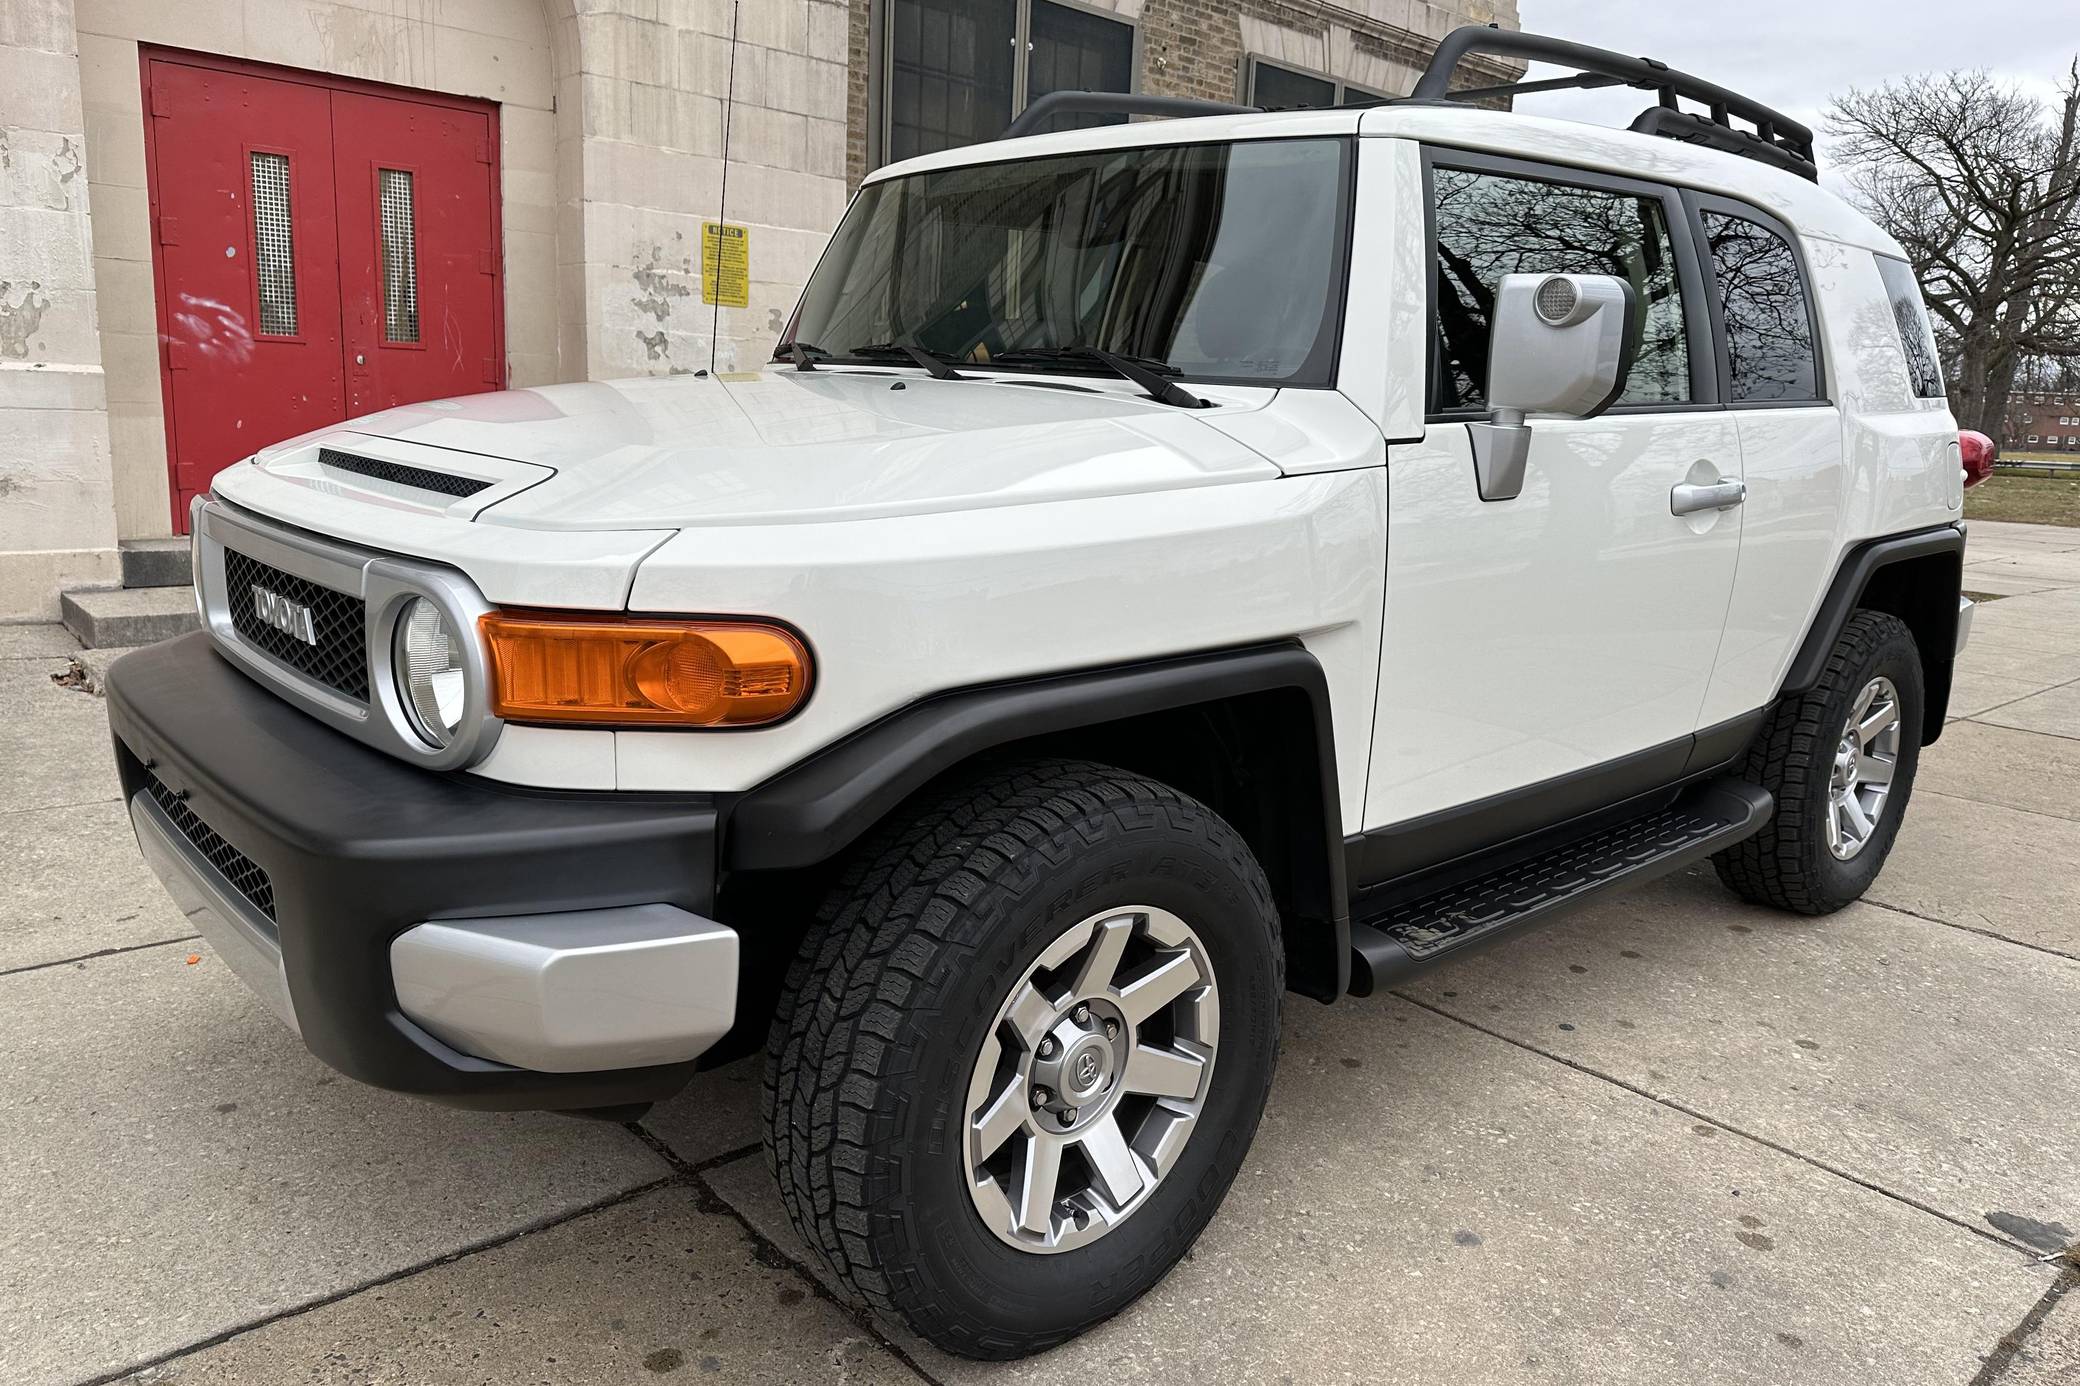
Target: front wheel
x=1839, y=759
x=1023, y=1053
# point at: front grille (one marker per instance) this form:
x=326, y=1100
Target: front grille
x=417, y=477
x=246, y=876
x=339, y=621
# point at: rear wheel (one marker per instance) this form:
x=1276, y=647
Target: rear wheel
x=1024, y=1051
x=1840, y=761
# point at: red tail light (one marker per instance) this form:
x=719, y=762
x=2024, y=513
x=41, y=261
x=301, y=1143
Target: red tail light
x=1978, y=451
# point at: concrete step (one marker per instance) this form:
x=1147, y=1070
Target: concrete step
x=155, y=562
x=128, y=616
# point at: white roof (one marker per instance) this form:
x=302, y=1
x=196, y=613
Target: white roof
x=1803, y=204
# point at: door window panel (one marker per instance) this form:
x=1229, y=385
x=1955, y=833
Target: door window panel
x=951, y=69
x=400, y=257
x=1762, y=296
x=1923, y=367
x=1074, y=50
x=274, y=244
x=1489, y=225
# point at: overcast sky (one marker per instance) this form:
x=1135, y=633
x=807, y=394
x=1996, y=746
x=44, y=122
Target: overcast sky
x=1794, y=56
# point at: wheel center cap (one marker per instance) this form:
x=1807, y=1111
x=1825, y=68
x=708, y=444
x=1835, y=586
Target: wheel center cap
x=1847, y=758
x=1086, y=1068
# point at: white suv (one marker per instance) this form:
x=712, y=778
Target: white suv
x=1168, y=565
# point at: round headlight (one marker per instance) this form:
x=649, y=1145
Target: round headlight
x=431, y=678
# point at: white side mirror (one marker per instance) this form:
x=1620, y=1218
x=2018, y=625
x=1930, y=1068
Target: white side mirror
x=1560, y=344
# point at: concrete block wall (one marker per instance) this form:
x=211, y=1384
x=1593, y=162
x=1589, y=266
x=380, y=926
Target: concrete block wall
x=662, y=93
x=57, y=514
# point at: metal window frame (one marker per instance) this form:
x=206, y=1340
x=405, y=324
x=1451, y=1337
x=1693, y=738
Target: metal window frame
x=881, y=63
x=292, y=169
x=377, y=169
x=1252, y=59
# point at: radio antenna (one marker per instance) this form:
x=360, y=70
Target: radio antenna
x=729, y=100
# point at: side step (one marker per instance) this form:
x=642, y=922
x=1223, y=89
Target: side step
x=1415, y=933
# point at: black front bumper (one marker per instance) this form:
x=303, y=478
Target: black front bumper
x=357, y=847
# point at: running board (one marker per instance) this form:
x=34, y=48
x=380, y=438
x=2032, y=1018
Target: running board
x=1416, y=933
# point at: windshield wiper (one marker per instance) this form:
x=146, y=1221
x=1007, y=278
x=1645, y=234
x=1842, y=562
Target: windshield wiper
x=799, y=353
x=1139, y=370
x=931, y=362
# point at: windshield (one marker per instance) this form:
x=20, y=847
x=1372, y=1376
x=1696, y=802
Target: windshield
x=1219, y=261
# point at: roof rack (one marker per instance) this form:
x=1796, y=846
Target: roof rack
x=1777, y=139
x=1056, y=103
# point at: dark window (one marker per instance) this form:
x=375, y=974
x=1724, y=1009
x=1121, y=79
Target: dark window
x=950, y=73
x=1282, y=89
x=1489, y=225
x=1924, y=370
x=1223, y=261
x=1074, y=50
x=1762, y=297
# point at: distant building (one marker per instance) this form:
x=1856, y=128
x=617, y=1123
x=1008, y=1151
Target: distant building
x=2038, y=422
x=225, y=223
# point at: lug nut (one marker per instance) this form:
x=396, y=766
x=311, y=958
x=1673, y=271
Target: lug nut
x=1112, y=1029
x=1047, y=1047
x=1041, y=1097
x=1068, y=1116
x=1080, y=1014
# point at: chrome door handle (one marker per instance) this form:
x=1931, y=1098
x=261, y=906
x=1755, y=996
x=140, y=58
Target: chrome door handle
x=1687, y=499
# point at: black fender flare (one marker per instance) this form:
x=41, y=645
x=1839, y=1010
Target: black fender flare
x=815, y=809
x=1937, y=632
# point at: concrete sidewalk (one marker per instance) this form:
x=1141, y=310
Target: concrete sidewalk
x=1671, y=1139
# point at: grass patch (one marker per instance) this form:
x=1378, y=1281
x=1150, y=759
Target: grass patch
x=2041, y=500
x=1974, y=596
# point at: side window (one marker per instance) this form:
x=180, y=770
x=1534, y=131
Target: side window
x=1489, y=225
x=1762, y=297
x=1923, y=369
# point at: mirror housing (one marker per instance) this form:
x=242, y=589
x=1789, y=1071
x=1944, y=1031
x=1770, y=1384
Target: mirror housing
x=1560, y=344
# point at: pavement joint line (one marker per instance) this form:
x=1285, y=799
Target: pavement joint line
x=598, y=1205
x=84, y=803
x=1973, y=929
x=2053, y=688
x=2014, y=1340
x=763, y=1249
x=1724, y=1125
x=1995, y=803
x=99, y=953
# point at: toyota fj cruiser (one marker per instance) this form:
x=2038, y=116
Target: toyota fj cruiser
x=1167, y=565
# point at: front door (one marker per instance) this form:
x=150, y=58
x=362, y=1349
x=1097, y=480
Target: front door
x=1554, y=636
x=320, y=250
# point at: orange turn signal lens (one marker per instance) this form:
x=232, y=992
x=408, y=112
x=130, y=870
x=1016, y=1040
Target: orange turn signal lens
x=630, y=670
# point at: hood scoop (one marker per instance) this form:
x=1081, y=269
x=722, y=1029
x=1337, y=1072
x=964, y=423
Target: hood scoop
x=399, y=474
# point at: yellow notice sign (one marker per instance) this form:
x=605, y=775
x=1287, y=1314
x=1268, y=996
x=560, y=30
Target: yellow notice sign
x=725, y=264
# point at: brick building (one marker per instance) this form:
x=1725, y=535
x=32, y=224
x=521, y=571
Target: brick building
x=2037, y=422
x=223, y=222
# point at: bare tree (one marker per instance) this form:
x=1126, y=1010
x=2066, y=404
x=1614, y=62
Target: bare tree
x=1980, y=184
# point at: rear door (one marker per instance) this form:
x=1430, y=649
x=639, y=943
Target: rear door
x=1552, y=650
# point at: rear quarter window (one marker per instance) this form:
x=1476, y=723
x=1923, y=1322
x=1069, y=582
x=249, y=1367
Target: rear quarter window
x=1924, y=369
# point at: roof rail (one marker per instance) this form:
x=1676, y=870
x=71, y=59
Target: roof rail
x=1777, y=139
x=1057, y=103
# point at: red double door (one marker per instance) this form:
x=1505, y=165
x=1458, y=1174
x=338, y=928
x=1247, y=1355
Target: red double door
x=320, y=249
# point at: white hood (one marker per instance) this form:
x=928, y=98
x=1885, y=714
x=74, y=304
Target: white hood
x=783, y=445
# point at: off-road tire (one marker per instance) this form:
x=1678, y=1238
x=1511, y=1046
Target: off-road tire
x=886, y=1005
x=1788, y=864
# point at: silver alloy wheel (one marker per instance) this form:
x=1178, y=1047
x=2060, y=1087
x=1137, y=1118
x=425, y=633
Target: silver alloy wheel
x=1864, y=761
x=1091, y=1079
